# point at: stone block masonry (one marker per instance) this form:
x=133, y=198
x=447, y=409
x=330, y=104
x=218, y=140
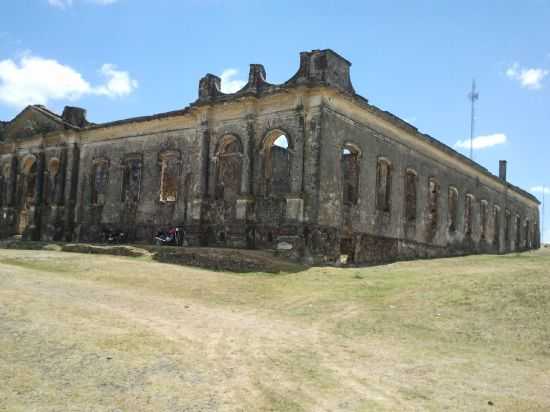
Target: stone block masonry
x=308, y=168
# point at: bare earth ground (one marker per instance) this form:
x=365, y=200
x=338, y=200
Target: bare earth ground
x=106, y=333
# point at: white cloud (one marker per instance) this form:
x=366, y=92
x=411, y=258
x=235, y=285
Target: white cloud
x=530, y=78
x=36, y=80
x=229, y=84
x=63, y=4
x=482, y=142
x=119, y=83
x=541, y=189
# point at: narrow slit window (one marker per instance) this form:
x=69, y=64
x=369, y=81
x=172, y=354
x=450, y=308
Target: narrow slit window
x=350, y=174
x=483, y=218
x=433, y=205
x=496, y=220
x=468, y=215
x=410, y=196
x=383, y=185
x=453, y=209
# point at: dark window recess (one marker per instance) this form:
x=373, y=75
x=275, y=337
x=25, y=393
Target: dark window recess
x=228, y=180
x=169, y=176
x=507, y=226
x=383, y=185
x=453, y=209
x=100, y=177
x=29, y=185
x=410, y=196
x=131, y=180
x=433, y=205
x=468, y=216
x=278, y=167
x=483, y=218
x=350, y=175
x=496, y=220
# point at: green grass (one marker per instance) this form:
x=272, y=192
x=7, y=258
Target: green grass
x=426, y=335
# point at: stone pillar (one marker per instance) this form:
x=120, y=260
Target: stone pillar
x=11, y=197
x=35, y=212
x=312, y=154
x=197, y=203
x=62, y=175
x=205, y=159
x=247, y=183
x=72, y=170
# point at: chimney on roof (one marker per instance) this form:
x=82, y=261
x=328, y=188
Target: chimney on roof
x=209, y=87
x=75, y=116
x=502, y=169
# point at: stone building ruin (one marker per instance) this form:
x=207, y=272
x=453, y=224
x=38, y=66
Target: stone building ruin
x=307, y=167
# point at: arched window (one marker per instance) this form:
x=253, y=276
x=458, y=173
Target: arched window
x=131, y=178
x=100, y=178
x=453, y=208
x=29, y=170
x=277, y=164
x=383, y=185
x=468, y=214
x=496, y=225
x=229, y=167
x=433, y=205
x=169, y=175
x=483, y=218
x=349, y=162
x=410, y=195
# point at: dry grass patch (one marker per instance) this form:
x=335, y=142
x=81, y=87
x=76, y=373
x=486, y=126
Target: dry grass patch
x=83, y=332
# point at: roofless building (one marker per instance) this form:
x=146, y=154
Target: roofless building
x=307, y=167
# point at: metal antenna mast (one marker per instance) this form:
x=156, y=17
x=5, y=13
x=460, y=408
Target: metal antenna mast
x=472, y=96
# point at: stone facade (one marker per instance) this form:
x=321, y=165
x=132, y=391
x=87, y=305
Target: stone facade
x=307, y=167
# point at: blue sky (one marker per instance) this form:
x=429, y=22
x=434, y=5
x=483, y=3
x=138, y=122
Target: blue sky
x=124, y=58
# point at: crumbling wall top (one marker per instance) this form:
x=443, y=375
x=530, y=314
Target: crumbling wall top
x=317, y=67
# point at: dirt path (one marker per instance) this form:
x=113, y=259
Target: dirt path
x=77, y=342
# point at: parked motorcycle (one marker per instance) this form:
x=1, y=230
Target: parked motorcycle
x=172, y=236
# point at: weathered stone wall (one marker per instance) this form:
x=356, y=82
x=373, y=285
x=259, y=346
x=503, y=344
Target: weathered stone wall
x=364, y=218
x=150, y=213
x=215, y=170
